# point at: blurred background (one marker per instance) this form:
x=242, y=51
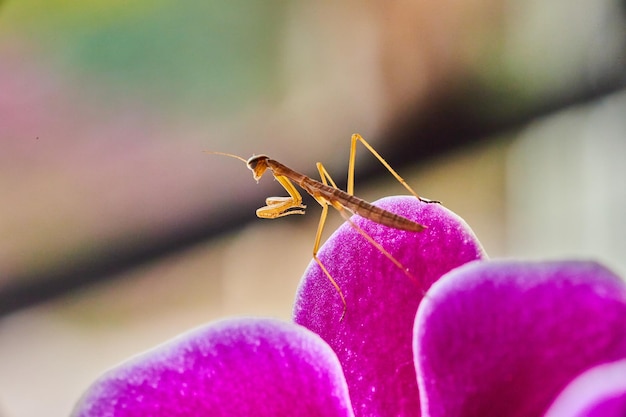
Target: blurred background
x=117, y=233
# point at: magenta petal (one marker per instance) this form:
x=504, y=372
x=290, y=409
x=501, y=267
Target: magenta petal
x=503, y=338
x=231, y=368
x=374, y=340
x=599, y=392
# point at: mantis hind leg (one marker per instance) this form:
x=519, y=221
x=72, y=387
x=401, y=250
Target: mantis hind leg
x=350, y=188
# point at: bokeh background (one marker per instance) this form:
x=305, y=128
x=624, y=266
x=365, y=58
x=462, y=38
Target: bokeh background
x=118, y=233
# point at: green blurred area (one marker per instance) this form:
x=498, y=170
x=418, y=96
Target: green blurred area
x=207, y=53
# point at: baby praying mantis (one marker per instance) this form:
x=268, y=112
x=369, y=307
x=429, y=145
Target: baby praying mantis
x=329, y=195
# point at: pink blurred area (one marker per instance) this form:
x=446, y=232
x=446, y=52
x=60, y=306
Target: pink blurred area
x=80, y=166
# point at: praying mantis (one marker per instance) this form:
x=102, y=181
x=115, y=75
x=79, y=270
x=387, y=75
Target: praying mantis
x=327, y=194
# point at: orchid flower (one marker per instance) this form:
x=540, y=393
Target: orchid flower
x=449, y=334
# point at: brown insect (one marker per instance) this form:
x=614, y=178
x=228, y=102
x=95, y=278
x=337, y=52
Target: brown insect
x=329, y=195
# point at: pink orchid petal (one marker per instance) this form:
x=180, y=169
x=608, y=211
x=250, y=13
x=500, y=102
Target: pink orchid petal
x=503, y=338
x=598, y=392
x=374, y=340
x=242, y=367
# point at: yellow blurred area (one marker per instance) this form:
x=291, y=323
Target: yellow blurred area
x=35, y=13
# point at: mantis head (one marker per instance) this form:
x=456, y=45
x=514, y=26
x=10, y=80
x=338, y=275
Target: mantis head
x=258, y=164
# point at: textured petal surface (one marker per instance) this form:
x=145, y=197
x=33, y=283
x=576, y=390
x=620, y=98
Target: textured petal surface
x=599, y=392
x=374, y=340
x=239, y=367
x=503, y=338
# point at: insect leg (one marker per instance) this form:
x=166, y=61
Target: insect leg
x=318, y=237
x=324, y=175
x=350, y=189
x=282, y=206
